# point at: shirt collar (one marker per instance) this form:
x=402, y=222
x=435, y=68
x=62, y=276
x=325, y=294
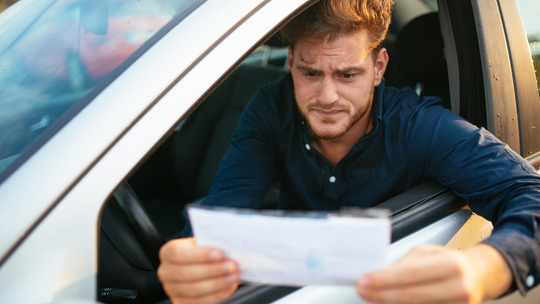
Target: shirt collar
x=377, y=105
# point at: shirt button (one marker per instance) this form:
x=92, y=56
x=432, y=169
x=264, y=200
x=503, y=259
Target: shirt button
x=308, y=147
x=303, y=122
x=530, y=280
x=332, y=179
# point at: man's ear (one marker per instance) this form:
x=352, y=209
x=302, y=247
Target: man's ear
x=290, y=58
x=380, y=65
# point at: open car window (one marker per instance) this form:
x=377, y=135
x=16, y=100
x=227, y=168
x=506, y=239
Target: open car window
x=182, y=169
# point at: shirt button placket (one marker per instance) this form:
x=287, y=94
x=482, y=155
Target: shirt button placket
x=332, y=189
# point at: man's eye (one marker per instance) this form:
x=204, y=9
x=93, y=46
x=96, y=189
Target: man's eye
x=347, y=76
x=310, y=74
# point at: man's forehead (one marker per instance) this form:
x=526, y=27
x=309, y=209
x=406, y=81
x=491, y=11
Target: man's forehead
x=353, y=47
x=338, y=62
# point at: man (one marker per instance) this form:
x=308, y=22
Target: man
x=339, y=138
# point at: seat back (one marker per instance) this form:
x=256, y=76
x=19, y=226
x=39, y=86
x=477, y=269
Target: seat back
x=420, y=56
x=204, y=138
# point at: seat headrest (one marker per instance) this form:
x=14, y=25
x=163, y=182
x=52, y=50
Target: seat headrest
x=420, y=51
x=275, y=41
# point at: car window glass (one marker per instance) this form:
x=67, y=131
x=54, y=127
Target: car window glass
x=53, y=52
x=432, y=4
x=530, y=10
x=406, y=10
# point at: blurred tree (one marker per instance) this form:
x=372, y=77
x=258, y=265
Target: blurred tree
x=6, y=3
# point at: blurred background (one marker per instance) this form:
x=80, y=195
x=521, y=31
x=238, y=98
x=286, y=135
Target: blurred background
x=5, y=4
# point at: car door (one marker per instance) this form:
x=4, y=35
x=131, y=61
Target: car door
x=49, y=253
x=161, y=89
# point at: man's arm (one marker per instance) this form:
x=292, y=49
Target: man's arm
x=497, y=184
x=247, y=169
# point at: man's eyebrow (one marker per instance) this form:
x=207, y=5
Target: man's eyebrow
x=307, y=69
x=344, y=70
x=351, y=70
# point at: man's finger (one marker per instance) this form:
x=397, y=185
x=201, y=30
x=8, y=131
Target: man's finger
x=206, y=299
x=202, y=288
x=445, y=291
x=185, y=251
x=417, y=267
x=195, y=272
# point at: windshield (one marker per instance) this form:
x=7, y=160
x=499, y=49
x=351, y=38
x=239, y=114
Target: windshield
x=53, y=52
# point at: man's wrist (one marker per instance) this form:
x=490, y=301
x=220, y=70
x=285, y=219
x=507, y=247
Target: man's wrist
x=494, y=272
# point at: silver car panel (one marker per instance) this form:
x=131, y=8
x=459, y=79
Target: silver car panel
x=57, y=260
x=31, y=191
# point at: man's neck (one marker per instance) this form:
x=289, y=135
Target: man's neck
x=335, y=150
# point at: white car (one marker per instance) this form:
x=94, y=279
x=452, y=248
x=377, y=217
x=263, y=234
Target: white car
x=96, y=95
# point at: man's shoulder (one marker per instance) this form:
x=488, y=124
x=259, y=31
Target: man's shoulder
x=282, y=86
x=273, y=100
x=405, y=100
x=277, y=95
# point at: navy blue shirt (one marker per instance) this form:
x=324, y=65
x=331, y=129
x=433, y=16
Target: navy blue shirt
x=413, y=140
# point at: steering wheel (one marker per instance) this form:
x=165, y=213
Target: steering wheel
x=140, y=222
x=128, y=249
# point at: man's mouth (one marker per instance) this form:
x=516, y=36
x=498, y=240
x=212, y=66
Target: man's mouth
x=328, y=114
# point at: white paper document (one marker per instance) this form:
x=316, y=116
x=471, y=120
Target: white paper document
x=297, y=251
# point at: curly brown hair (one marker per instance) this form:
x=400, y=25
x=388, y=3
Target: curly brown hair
x=330, y=19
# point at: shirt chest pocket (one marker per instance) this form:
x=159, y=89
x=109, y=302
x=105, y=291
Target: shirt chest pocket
x=367, y=187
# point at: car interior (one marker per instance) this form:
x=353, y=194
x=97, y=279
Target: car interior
x=149, y=208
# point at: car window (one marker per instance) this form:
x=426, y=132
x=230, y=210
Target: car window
x=56, y=51
x=530, y=11
x=406, y=10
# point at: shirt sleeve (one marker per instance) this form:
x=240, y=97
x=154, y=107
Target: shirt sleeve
x=247, y=169
x=497, y=183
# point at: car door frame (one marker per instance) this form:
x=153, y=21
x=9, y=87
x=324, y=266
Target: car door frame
x=151, y=98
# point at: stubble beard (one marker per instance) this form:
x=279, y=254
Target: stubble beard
x=359, y=112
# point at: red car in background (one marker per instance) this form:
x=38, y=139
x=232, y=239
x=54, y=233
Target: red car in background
x=96, y=38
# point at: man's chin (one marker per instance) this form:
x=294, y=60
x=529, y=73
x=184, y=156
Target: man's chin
x=324, y=123
x=328, y=133
x=328, y=136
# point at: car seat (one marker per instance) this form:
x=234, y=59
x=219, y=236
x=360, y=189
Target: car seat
x=182, y=170
x=419, y=52
x=207, y=132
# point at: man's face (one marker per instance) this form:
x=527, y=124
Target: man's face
x=334, y=85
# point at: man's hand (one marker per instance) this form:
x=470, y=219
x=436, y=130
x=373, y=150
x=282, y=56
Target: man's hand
x=434, y=274
x=192, y=274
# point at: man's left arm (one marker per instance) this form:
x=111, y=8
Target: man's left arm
x=498, y=185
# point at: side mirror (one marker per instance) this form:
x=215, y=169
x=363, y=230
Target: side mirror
x=95, y=17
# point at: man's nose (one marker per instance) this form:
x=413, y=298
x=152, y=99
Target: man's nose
x=328, y=91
